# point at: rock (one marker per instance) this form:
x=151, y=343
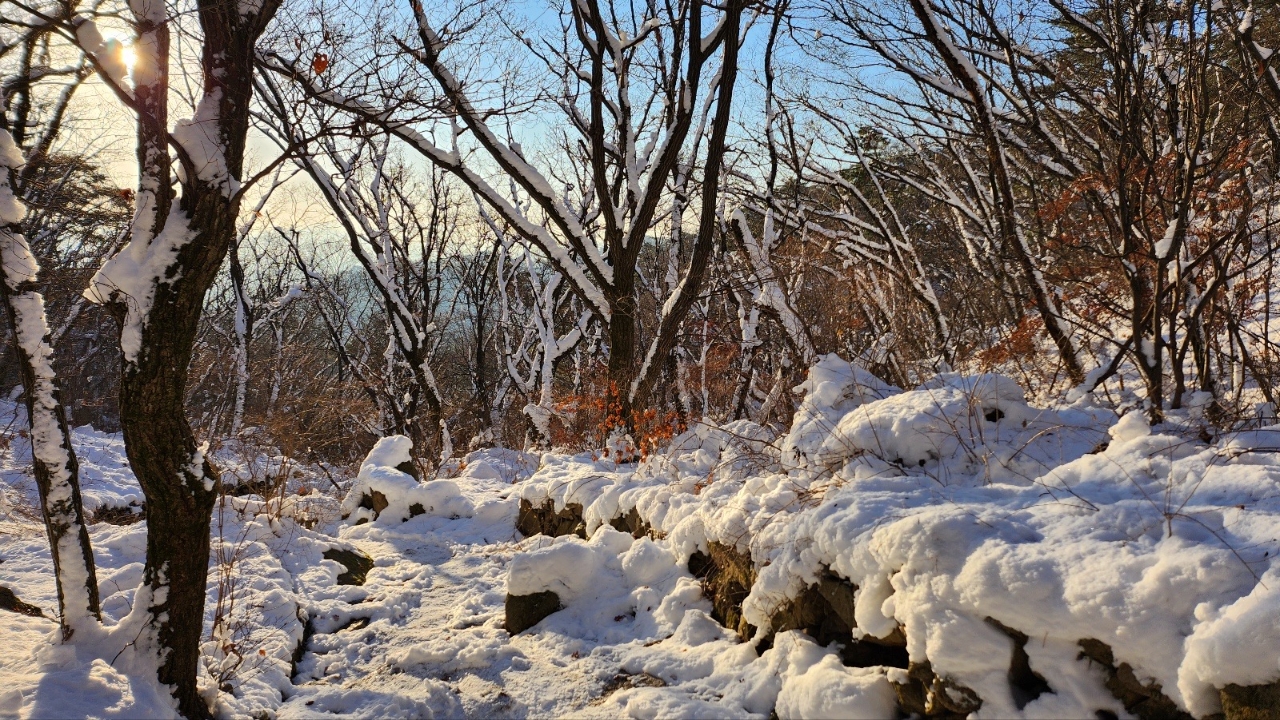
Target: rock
x=1147, y=701
x=9, y=601
x=408, y=468
x=375, y=501
x=727, y=576
x=927, y=694
x=1024, y=683
x=299, y=650
x=824, y=611
x=544, y=520
x=525, y=611
x=1252, y=702
x=625, y=680
x=357, y=564
x=634, y=524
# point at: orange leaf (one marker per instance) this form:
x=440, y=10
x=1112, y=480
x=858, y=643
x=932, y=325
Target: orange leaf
x=320, y=63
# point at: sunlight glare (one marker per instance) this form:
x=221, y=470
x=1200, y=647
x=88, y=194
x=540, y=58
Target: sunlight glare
x=123, y=45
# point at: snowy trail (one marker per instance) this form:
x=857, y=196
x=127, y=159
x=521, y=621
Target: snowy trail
x=435, y=641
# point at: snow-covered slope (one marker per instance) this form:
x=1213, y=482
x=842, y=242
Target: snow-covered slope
x=1020, y=558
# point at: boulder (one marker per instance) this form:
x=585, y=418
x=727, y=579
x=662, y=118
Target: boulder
x=1146, y=700
x=525, y=611
x=545, y=520
x=357, y=564
x=927, y=694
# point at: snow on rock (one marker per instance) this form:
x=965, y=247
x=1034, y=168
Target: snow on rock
x=957, y=504
x=819, y=686
x=968, y=429
x=610, y=587
x=833, y=388
x=383, y=493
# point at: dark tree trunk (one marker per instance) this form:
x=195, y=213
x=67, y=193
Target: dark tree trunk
x=623, y=364
x=180, y=484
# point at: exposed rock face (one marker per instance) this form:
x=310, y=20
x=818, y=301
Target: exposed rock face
x=1254, y=702
x=1024, y=683
x=927, y=694
x=1147, y=701
x=377, y=502
x=525, y=611
x=824, y=611
x=408, y=468
x=634, y=524
x=727, y=576
x=544, y=520
x=357, y=564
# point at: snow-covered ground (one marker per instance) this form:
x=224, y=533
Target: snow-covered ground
x=997, y=541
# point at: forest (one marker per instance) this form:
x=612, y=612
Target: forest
x=640, y=358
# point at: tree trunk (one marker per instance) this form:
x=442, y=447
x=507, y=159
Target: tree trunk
x=52, y=457
x=180, y=484
x=623, y=364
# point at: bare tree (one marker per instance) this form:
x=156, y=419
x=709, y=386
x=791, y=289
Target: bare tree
x=627, y=149
x=53, y=457
x=155, y=288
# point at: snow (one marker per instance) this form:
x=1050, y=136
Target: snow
x=132, y=275
x=378, y=473
x=11, y=208
x=109, y=54
x=824, y=688
x=833, y=388
x=1064, y=523
x=199, y=138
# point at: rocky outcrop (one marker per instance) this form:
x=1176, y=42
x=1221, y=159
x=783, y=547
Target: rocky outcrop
x=545, y=520
x=727, y=576
x=925, y=693
x=1146, y=700
x=632, y=523
x=525, y=611
x=824, y=611
x=377, y=502
x=1253, y=702
x=1025, y=684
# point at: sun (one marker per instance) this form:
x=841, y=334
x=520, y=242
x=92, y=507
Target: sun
x=122, y=46
x=129, y=56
